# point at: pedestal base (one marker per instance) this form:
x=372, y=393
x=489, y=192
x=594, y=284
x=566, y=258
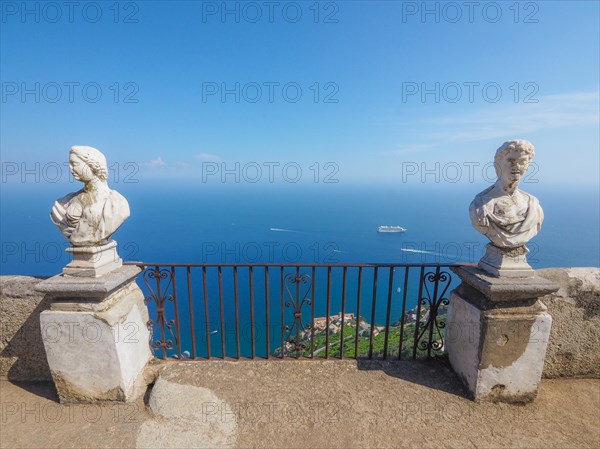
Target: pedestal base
x=499, y=353
x=93, y=261
x=97, y=348
x=506, y=262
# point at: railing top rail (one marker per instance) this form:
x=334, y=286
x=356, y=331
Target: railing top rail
x=348, y=265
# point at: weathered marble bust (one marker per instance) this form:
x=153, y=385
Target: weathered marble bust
x=90, y=216
x=506, y=215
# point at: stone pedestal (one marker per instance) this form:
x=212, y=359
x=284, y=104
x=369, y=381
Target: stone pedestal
x=497, y=333
x=93, y=261
x=95, y=336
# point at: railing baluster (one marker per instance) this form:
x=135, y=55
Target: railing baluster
x=222, y=312
x=433, y=310
x=358, y=313
x=251, y=282
x=283, y=345
x=312, y=313
x=176, y=312
x=387, y=315
x=160, y=313
x=298, y=302
x=206, y=315
x=237, y=311
x=375, y=271
x=416, y=337
x=343, y=312
x=191, y=307
x=267, y=312
x=328, y=311
x=402, y=316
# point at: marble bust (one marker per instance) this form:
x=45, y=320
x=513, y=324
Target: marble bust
x=90, y=216
x=506, y=215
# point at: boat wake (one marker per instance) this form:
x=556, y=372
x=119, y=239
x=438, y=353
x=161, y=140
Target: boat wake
x=295, y=231
x=420, y=251
x=282, y=230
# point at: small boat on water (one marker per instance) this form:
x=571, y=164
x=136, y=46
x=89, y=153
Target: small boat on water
x=391, y=229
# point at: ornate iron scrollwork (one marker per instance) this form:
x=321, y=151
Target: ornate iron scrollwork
x=163, y=281
x=430, y=321
x=296, y=301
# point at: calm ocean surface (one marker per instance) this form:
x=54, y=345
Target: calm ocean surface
x=310, y=224
x=303, y=224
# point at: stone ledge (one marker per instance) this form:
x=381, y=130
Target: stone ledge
x=575, y=309
x=22, y=355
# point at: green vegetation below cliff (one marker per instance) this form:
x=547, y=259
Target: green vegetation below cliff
x=318, y=345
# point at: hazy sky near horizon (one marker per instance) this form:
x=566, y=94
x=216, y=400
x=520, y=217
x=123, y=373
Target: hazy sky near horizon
x=356, y=91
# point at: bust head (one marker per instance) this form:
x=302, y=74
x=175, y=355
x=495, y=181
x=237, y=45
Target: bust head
x=512, y=160
x=87, y=163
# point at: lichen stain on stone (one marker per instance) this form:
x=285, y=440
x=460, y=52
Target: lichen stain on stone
x=506, y=341
x=497, y=390
x=498, y=393
x=67, y=392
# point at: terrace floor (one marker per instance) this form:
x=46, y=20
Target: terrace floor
x=304, y=404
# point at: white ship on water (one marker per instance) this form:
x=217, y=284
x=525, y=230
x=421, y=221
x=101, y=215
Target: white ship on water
x=391, y=229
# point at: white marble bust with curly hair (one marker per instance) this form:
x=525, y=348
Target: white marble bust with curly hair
x=91, y=215
x=506, y=215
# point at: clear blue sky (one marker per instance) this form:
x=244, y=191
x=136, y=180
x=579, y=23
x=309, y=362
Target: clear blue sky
x=373, y=54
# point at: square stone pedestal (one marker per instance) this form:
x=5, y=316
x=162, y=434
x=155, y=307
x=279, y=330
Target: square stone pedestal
x=497, y=333
x=96, y=336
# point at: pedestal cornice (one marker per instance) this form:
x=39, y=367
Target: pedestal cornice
x=501, y=290
x=65, y=287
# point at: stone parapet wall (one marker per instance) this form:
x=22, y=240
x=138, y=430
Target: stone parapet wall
x=575, y=309
x=22, y=354
x=572, y=350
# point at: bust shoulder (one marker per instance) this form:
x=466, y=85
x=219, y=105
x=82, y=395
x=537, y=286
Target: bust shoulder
x=118, y=204
x=483, y=198
x=69, y=196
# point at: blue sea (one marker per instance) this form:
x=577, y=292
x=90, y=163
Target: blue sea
x=331, y=223
x=173, y=223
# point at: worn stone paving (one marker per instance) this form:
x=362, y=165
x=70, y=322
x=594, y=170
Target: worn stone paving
x=304, y=404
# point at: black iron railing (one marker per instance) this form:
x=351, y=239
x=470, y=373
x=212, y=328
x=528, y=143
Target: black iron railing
x=241, y=311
